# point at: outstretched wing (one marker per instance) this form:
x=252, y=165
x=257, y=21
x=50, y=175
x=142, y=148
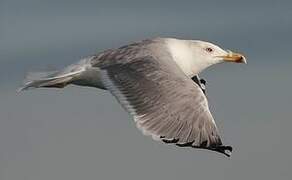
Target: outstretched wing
x=164, y=102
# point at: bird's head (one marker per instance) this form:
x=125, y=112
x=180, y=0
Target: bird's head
x=210, y=53
x=193, y=56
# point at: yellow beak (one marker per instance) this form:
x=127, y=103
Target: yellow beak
x=234, y=57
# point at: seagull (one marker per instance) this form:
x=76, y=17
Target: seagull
x=156, y=81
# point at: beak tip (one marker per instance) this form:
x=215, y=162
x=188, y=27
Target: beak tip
x=243, y=60
x=234, y=57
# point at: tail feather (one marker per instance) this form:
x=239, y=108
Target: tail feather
x=57, y=79
x=31, y=76
x=48, y=80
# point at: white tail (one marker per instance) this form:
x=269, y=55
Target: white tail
x=53, y=80
x=56, y=79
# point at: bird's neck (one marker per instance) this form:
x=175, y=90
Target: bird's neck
x=183, y=55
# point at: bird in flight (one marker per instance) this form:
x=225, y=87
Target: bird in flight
x=156, y=81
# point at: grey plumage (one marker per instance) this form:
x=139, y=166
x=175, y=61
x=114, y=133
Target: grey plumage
x=163, y=100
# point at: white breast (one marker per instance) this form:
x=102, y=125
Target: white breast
x=181, y=54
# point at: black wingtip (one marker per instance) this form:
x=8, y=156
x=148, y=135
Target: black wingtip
x=170, y=141
x=203, y=81
x=226, y=150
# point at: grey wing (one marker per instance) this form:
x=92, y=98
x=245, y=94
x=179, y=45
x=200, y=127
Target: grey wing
x=164, y=102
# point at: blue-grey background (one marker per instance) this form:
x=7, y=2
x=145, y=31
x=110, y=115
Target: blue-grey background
x=82, y=133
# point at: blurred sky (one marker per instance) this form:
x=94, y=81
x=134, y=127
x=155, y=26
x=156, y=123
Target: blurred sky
x=83, y=133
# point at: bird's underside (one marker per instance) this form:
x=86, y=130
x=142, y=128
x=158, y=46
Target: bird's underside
x=164, y=102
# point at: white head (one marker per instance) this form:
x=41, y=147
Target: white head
x=193, y=56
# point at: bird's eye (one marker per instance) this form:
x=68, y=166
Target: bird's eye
x=208, y=49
